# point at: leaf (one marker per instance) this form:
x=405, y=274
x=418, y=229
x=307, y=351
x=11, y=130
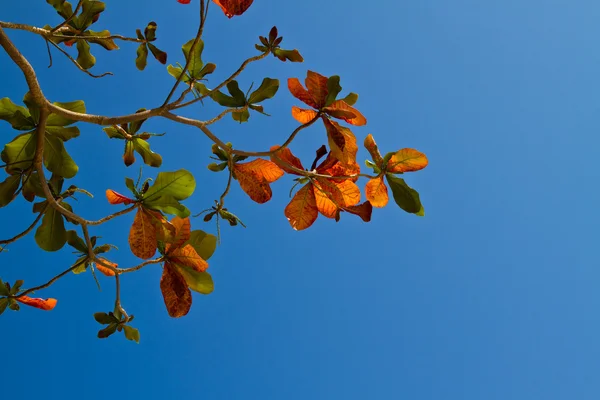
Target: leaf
x=105, y=41
x=142, y=235
x=302, y=211
x=195, y=64
x=3, y=289
x=317, y=87
x=341, y=110
x=19, y=153
x=288, y=55
x=179, y=184
x=143, y=148
x=255, y=176
x=104, y=318
x=200, y=282
x=233, y=7
x=299, y=92
x=117, y=198
x=128, y=155
x=342, y=142
x=333, y=89
x=373, y=150
x=204, y=243
x=284, y=157
x=241, y=116
x=406, y=160
x=158, y=54
x=63, y=133
x=142, y=57
x=131, y=333
x=76, y=242
x=182, y=232
x=17, y=116
x=188, y=257
x=168, y=205
x=56, y=158
x=42, y=304
x=106, y=332
x=376, y=192
x=84, y=58
x=351, y=99
x=8, y=189
x=406, y=197
x=106, y=271
x=174, y=288
x=32, y=186
x=303, y=115
x=363, y=210
x=55, y=120
x=134, y=127
x=268, y=88
x=51, y=234
x=3, y=305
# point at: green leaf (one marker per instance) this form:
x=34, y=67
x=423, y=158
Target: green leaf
x=234, y=90
x=176, y=71
x=150, y=30
x=205, y=244
x=406, y=197
x=288, y=55
x=77, y=106
x=13, y=305
x=56, y=158
x=267, y=90
x=130, y=185
x=200, y=282
x=34, y=109
x=107, y=43
x=80, y=265
x=32, y=187
x=106, y=332
x=351, y=99
x=333, y=88
x=158, y=54
x=76, y=242
x=39, y=207
x=135, y=126
x=17, y=116
x=3, y=305
x=196, y=64
x=3, y=289
x=90, y=9
x=104, y=318
x=241, y=116
x=62, y=7
x=169, y=205
x=51, y=235
x=142, y=57
x=208, y=69
x=113, y=132
x=8, y=189
x=143, y=148
x=226, y=101
x=132, y=333
x=16, y=287
x=65, y=134
x=19, y=153
x=179, y=184
x=84, y=58
x=214, y=167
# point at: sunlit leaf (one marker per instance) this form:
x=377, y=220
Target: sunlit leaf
x=204, y=243
x=302, y=211
x=376, y=192
x=233, y=7
x=174, y=288
x=142, y=236
x=406, y=160
x=117, y=198
x=303, y=115
x=254, y=178
x=106, y=271
x=42, y=304
x=200, y=282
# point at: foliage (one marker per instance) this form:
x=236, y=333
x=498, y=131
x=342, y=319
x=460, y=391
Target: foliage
x=37, y=161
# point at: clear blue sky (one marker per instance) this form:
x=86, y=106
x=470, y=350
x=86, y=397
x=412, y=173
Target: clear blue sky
x=493, y=295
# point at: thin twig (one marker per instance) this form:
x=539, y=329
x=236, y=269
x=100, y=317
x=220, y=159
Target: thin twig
x=74, y=61
x=26, y=231
x=47, y=284
x=49, y=52
x=66, y=21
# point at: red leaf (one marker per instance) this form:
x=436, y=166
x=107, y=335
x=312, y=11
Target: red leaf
x=233, y=7
x=175, y=291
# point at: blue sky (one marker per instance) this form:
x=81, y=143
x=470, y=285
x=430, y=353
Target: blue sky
x=492, y=295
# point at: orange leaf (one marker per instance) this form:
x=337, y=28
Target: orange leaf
x=42, y=304
x=346, y=112
x=376, y=192
x=188, y=257
x=233, y=7
x=317, y=87
x=373, y=150
x=298, y=91
x=183, y=230
x=407, y=160
x=286, y=156
x=363, y=210
x=142, y=236
x=325, y=205
x=302, y=115
x=175, y=291
x=106, y=271
x=117, y=198
x=254, y=178
x=342, y=192
x=332, y=166
x=342, y=142
x=302, y=211
x=165, y=231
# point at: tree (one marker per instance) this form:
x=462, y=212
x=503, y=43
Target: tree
x=37, y=163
